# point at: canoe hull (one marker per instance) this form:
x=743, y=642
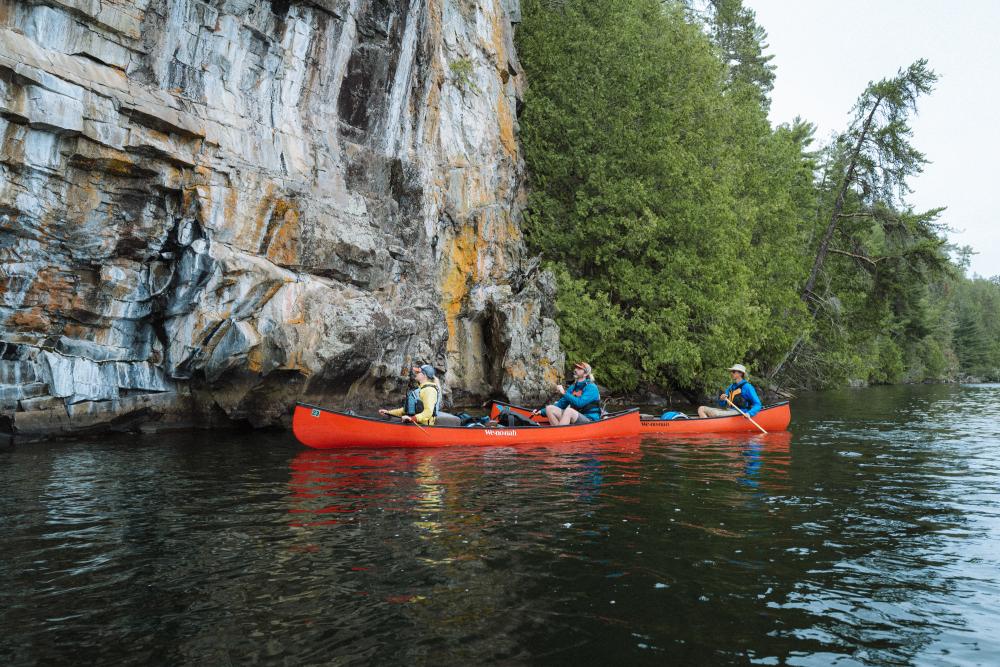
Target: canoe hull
x=327, y=429
x=772, y=418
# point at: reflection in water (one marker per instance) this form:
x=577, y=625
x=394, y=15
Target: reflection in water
x=869, y=535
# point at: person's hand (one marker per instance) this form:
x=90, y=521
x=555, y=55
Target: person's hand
x=722, y=397
x=384, y=412
x=560, y=389
x=535, y=411
x=406, y=418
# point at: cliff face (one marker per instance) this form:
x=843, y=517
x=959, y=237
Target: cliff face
x=210, y=209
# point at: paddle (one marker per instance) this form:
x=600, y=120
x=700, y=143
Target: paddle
x=413, y=421
x=408, y=420
x=746, y=415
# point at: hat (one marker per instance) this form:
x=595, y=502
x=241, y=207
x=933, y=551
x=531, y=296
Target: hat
x=738, y=367
x=585, y=366
x=426, y=369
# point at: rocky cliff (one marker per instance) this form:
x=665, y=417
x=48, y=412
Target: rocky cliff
x=210, y=209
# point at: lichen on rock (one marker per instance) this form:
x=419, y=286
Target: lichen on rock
x=211, y=209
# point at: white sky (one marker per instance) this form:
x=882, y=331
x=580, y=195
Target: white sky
x=827, y=51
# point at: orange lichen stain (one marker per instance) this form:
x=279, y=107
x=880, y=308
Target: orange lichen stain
x=33, y=319
x=494, y=236
x=283, y=244
x=231, y=206
x=513, y=231
x=105, y=159
x=517, y=371
x=295, y=363
x=462, y=271
x=80, y=201
x=271, y=288
x=199, y=197
x=265, y=210
x=506, y=121
x=529, y=312
x=76, y=331
x=276, y=228
x=255, y=359
x=551, y=374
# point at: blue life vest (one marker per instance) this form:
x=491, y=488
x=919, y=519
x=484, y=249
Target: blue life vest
x=413, y=403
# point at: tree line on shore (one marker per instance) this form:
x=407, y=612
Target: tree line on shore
x=686, y=232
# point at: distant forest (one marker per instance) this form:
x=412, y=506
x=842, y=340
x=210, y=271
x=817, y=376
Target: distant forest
x=687, y=233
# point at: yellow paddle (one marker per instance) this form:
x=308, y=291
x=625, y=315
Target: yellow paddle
x=746, y=415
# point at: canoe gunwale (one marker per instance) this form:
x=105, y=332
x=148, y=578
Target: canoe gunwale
x=706, y=419
x=776, y=416
x=386, y=422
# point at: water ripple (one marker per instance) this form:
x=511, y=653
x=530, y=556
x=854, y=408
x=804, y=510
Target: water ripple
x=870, y=535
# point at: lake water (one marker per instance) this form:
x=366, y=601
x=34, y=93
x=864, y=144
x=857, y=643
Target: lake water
x=869, y=535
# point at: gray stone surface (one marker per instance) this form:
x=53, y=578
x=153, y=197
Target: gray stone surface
x=210, y=209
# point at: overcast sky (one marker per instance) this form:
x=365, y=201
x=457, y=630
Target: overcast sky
x=826, y=52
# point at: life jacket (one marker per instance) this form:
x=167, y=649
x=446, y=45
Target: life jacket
x=414, y=405
x=593, y=406
x=736, y=396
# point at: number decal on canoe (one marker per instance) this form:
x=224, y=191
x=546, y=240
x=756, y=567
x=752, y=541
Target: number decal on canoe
x=315, y=412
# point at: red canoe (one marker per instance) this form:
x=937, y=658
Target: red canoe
x=772, y=418
x=327, y=429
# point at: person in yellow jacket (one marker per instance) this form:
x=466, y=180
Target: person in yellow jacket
x=422, y=403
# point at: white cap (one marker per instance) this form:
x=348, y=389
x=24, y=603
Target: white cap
x=738, y=367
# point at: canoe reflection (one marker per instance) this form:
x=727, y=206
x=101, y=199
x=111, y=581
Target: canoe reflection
x=330, y=487
x=756, y=461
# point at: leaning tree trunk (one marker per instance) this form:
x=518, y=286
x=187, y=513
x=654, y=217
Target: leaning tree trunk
x=838, y=206
x=831, y=227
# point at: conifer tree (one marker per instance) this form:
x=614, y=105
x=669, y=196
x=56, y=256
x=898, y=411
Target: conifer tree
x=873, y=161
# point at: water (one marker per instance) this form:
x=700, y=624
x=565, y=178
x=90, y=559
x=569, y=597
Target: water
x=869, y=536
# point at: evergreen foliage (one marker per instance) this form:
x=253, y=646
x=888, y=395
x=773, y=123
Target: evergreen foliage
x=686, y=233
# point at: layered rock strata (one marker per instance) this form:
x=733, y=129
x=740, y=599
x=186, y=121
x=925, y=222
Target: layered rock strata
x=211, y=209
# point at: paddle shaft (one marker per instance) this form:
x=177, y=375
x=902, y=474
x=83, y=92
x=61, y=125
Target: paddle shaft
x=746, y=415
x=414, y=422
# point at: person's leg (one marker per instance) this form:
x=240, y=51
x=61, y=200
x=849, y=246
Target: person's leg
x=569, y=416
x=554, y=414
x=705, y=411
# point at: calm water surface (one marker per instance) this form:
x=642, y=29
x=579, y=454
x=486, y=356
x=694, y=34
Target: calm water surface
x=870, y=535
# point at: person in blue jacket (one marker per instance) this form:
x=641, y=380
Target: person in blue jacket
x=740, y=392
x=580, y=403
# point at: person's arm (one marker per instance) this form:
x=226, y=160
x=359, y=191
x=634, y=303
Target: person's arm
x=563, y=402
x=753, y=399
x=589, y=394
x=428, y=396
x=398, y=412
x=722, y=401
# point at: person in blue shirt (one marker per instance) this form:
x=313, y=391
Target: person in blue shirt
x=740, y=392
x=580, y=403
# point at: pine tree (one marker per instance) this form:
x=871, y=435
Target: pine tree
x=875, y=158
